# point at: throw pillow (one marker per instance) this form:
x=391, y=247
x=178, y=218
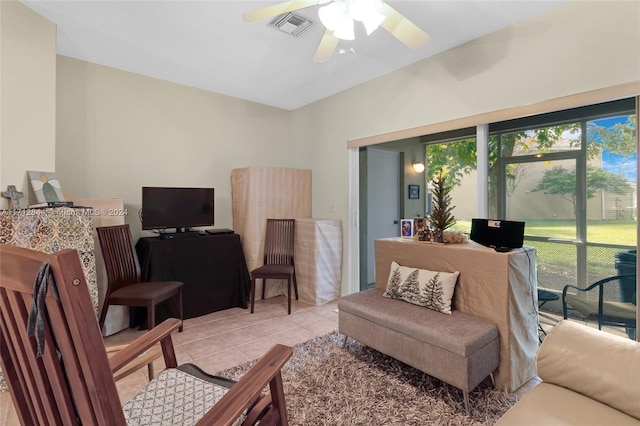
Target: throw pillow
x=431, y=289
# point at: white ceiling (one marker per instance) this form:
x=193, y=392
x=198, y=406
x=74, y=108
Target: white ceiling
x=206, y=44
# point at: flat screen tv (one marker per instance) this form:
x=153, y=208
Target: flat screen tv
x=499, y=234
x=180, y=208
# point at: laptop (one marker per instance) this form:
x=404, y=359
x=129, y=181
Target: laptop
x=503, y=235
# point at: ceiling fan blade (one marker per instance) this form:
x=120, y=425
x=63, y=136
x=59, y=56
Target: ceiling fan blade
x=279, y=9
x=327, y=46
x=402, y=28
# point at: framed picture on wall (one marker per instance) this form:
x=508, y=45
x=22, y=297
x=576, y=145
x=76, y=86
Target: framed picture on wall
x=414, y=192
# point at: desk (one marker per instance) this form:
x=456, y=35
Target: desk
x=212, y=268
x=500, y=287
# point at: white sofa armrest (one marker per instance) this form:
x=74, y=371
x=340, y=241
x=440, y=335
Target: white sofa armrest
x=596, y=364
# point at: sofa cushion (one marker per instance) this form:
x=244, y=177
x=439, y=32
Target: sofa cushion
x=597, y=364
x=431, y=289
x=549, y=404
x=459, y=333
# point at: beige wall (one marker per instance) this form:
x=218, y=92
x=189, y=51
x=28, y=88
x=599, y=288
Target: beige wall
x=118, y=131
x=27, y=101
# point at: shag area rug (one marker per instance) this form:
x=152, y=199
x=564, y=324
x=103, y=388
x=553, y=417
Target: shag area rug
x=327, y=385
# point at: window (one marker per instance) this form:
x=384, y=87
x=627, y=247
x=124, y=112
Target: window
x=571, y=176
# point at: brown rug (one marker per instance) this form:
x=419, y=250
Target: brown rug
x=327, y=385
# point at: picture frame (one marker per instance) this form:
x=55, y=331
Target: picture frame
x=414, y=192
x=46, y=187
x=406, y=228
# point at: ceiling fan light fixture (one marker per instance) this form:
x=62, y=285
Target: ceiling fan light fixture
x=345, y=29
x=338, y=16
x=366, y=11
x=332, y=14
x=373, y=22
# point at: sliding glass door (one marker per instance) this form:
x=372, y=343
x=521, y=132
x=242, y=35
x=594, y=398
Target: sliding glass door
x=573, y=182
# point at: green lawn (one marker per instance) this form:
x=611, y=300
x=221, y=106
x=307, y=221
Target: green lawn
x=600, y=231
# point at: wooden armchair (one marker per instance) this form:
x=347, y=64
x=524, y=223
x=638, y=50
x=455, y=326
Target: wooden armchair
x=58, y=372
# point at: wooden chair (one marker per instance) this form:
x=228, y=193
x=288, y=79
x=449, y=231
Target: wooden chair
x=58, y=373
x=278, y=258
x=123, y=275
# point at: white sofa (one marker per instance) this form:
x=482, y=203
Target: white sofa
x=589, y=377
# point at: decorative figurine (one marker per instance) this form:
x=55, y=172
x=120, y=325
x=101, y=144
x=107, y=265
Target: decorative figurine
x=14, y=195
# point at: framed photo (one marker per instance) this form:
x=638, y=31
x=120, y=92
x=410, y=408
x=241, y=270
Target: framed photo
x=46, y=186
x=414, y=192
x=419, y=224
x=406, y=227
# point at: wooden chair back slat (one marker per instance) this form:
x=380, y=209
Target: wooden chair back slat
x=72, y=382
x=279, y=242
x=34, y=410
x=39, y=373
x=119, y=256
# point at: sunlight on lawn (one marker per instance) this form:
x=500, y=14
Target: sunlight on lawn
x=610, y=232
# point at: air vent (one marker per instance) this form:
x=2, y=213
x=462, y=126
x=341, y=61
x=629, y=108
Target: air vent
x=291, y=23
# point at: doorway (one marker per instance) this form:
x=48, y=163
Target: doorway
x=380, y=183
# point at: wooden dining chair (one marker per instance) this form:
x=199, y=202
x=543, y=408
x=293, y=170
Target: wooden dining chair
x=124, y=285
x=278, y=261
x=58, y=372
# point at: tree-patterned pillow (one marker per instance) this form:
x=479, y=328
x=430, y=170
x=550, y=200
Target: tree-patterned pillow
x=431, y=289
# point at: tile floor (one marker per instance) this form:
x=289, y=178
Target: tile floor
x=226, y=338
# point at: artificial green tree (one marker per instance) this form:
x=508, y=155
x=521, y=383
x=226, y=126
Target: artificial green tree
x=441, y=216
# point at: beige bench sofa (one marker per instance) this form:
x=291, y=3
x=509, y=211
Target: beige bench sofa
x=460, y=349
x=589, y=377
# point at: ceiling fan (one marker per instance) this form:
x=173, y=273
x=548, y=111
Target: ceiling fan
x=338, y=17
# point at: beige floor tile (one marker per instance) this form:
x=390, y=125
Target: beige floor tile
x=321, y=327
x=222, y=360
x=274, y=326
x=182, y=356
x=192, y=322
x=294, y=336
x=130, y=385
x=328, y=311
x=265, y=312
x=257, y=348
x=243, y=335
x=8, y=414
x=215, y=316
x=235, y=311
x=123, y=336
x=194, y=333
x=306, y=316
x=225, y=325
x=204, y=347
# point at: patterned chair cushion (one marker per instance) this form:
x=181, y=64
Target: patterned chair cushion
x=173, y=398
